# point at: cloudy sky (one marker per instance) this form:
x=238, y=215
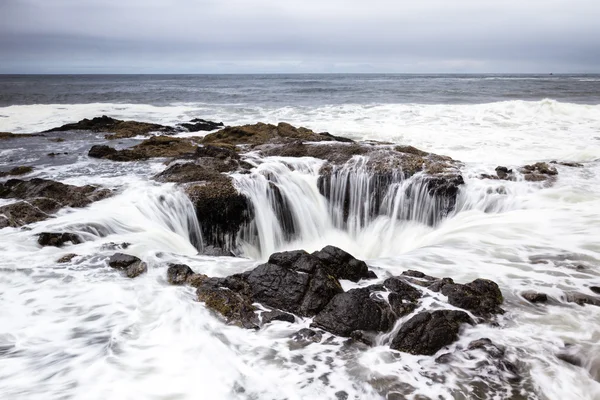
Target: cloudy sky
x=229, y=36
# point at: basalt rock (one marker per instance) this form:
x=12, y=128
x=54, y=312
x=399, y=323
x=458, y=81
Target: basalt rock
x=178, y=274
x=356, y=310
x=342, y=265
x=115, y=128
x=482, y=297
x=130, y=265
x=221, y=211
x=534, y=297
x=197, y=125
x=270, y=316
x=236, y=307
x=23, y=170
x=428, y=332
x=57, y=239
x=154, y=147
x=264, y=133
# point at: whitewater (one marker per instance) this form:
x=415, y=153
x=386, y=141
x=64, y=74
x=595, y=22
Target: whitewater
x=82, y=331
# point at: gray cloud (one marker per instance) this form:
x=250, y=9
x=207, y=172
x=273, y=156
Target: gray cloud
x=299, y=36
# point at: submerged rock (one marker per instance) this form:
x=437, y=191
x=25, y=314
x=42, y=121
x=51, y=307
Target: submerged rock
x=537, y=172
x=356, y=310
x=131, y=265
x=66, y=258
x=428, y=332
x=57, y=239
x=534, y=297
x=582, y=299
x=116, y=129
x=197, y=125
x=23, y=170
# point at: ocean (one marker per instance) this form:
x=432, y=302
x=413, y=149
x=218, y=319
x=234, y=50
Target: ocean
x=81, y=331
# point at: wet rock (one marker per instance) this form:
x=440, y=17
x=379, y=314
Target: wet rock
x=19, y=214
x=116, y=129
x=22, y=170
x=439, y=284
x=356, y=309
x=582, y=299
x=8, y=135
x=235, y=307
x=534, y=297
x=595, y=289
x=368, y=338
x=270, y=316
x=399, y=286
x=503, y=172
x=131, y=265
x=197, y=125
x=428, y=332
x=115, y=246
x=57, y=239
x=411, y=150
x=46, y=196
x=264, y=133
x=178, y=274
x=342, y=265
x=482, y=297
x=538, y=172
x=568, y=164
x=66, y=258
x=102, y=151
x=571, y=354
x=221, y=211
x=290, y=290
x=196, y=280
x=154, y=147
x=308, y=335
x=219, y=152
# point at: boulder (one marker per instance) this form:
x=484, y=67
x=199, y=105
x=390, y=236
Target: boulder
x=582, y=299
x=197, y=125
x=342, y=265
x=57, y=239
x=534, y=297
x=22, y=170
x=116, y=129
x=428, y=332
x=538, y=172
x=131, y=265
x=482, y=297
x=236, y=307
x=356, y=310
x=178, y=274
x=276, y=315
x=595, y=289
x=102, y=151
x=19, y=214
x=403, y=298
x=291, y=290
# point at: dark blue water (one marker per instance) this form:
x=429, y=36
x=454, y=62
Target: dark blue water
x=293, y=90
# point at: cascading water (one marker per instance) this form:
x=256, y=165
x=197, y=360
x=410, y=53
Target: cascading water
x=295, y=204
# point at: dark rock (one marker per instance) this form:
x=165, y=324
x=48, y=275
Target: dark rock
x=118, y=129
x=308, y=335
x=368, y=338
x=44, y=197
x=122, y=261
x=115, y=246
x=503, y=172
x=595, y=289
x=196, y=280
x=482, y=297
x=136, y=269
x=402, y=288
x=400, y=306
x=342, y=265
x=534, y=297
x=101, y=151
x=538, y=172
x=582, y=299
x=178, y=274
x=66, y=258
x=221, y=153
x=8, y=135
x=197, y=125
x=411, y=150
x=289, y=290
x=571, y=354
x=23, y=170
x=221, y=211
x=568, y=164
x=356, y=309
x=57, y=239
x=235, y=307
x=270, y=316
x=428, y=332
x=264, y=133
x=19, y=214
x=438, y=285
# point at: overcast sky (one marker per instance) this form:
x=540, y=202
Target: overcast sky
x=229, y=36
